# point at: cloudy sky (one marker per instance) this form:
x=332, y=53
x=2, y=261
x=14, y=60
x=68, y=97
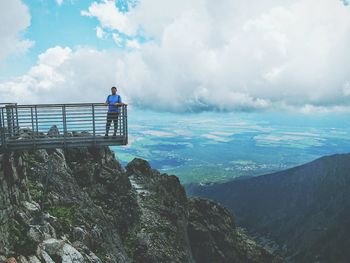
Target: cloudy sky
x=180, y=56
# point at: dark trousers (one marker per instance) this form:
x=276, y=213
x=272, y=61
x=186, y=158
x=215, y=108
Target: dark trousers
x=112, y=116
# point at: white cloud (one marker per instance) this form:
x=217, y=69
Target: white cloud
x=124, y=29
x=133, y=44
x=207, y=55
x=63, y=75
x=346, y=88
x=59, y=2
x=14, y=19
x=110, y=17
x=117, y=39
x=54, y=57
x=100, y=33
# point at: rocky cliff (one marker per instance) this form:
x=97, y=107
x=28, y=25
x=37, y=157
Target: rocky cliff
x=80, y=205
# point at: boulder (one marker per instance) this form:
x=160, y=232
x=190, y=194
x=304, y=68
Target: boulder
x=53, y=131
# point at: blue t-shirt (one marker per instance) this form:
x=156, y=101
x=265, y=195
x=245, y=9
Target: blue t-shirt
x=112, y=99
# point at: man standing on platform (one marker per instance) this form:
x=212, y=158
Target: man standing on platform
x=114, y=102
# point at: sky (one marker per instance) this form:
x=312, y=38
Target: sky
x=178, y=56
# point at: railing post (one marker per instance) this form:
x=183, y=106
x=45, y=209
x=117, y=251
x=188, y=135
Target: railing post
x=16, y=129
x=9, y=118
x=33, y=131
x=125, y=123
x=120, y=121
x=64, y=124
x=2, y=130
x=93, y=123
x=36, y=121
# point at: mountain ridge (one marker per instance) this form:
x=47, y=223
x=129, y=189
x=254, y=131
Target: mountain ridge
x=304, y=208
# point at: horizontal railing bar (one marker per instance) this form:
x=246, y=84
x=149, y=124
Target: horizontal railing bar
x=71, y=118
x=55, y=138
x=58, y=139
x=76, y=139
x=2, y=104
x=100, y=115
x=54, y=108
x=24, y=108
x=45, y=130
x=59, y=113
x=71, y=127
x=49, y=124
x=60, y=119
x=60, y=105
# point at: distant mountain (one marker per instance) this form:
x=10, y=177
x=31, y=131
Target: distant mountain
x=306, y=209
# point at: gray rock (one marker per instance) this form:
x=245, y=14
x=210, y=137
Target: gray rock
x=92, y=258
x=41, y=232
x=53, y=246
x=65, y=251
x=46, y=257
x=70, y=255
x=34, y=259
x=79, y=234
x=31, y=206
x=53, y=132
x=22, y=259
x=25, y=133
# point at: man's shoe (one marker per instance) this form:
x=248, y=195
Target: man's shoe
x=114, y=135
x=106, y=136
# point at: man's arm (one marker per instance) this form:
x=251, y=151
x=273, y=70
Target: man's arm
x=106, y=103
x=120, y=103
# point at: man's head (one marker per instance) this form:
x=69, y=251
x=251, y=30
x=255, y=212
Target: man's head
x=114, y=90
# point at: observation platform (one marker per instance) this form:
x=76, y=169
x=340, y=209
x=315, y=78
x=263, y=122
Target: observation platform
x=45, y=126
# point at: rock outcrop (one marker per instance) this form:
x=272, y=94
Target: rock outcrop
x=80, y=205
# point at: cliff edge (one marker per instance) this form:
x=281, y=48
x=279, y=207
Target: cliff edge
x=81, y=205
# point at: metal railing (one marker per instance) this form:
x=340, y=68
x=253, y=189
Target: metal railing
x=43, y=126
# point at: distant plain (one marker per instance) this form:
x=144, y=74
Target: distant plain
x=218, y=146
